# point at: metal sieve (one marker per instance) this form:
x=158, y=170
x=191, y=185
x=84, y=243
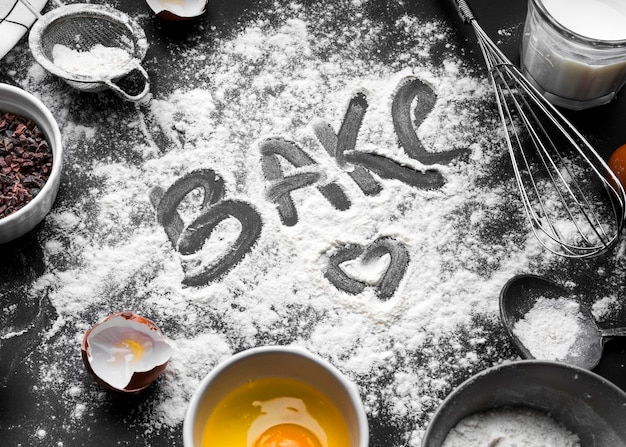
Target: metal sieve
x=80, y=27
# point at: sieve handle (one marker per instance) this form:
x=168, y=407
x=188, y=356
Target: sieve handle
x=134, y=98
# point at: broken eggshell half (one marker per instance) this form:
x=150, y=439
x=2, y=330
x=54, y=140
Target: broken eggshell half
x=125, y=352
x=177, y=10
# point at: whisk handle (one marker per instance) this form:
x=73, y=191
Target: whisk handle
x=464, y=10
x=128, y=97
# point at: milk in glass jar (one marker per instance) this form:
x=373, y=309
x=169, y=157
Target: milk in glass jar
x=574, y=51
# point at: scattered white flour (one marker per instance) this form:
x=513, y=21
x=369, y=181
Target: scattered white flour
x=510, y=427
x=99, y=62
x=602, y=308
x=551, y=328
x=278, y=75
x=41, y=434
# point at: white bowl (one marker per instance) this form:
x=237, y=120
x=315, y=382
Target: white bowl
x=582, y=401
x=17, y=101
x=275, y=361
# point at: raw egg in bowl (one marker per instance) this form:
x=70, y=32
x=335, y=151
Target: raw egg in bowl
x=276, y=397
x=125, y=352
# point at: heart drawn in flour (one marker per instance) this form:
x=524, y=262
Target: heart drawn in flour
x=213, y=210
x=381, y=265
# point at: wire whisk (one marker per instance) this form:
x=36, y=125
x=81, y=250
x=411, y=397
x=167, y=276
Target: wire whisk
x=574, y=202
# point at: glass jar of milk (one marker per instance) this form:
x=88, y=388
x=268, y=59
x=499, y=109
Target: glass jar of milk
x=574, y=51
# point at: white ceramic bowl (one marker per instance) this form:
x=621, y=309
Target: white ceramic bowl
x=582, y=401
x=276, y=361
x=15, y=100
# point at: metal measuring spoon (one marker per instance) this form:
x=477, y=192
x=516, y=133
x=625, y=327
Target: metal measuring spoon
x=517, y=298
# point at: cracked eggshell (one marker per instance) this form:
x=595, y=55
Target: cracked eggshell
x=177, y=10
x=125, y=352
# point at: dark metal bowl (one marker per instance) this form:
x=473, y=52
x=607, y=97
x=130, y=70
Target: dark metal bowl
x=584, y=402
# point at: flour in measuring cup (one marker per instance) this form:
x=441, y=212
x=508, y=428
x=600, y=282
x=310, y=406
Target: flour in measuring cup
x=99, y=62
x=510, y=427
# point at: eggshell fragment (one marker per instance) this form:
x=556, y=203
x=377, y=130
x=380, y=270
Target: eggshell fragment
x=177, y=10
x=125, y=352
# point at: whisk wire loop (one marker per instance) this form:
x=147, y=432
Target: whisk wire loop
x=551, y=159
x=575, y=204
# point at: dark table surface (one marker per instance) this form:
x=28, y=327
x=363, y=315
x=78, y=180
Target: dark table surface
x=30, y=416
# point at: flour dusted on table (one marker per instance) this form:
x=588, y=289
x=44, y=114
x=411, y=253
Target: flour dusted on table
x=603, y=307
x=510, y=427
x=283, y=83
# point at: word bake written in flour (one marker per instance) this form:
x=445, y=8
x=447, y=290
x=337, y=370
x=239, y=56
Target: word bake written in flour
x=213, y=210
x=411, y=94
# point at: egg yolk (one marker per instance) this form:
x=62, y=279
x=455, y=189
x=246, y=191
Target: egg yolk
x=287, y=435
x=136, y=350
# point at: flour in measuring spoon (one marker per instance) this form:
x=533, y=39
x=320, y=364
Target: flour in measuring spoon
x=597, y=19
x=99, y=62
x=551, y=328
x=510, y=427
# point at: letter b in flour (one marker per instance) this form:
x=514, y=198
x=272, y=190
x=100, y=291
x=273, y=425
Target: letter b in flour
x=213, y=210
